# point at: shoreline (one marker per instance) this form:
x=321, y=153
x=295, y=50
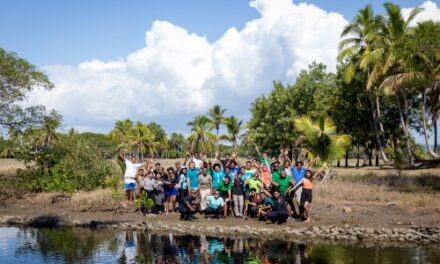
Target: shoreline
x=340, y=234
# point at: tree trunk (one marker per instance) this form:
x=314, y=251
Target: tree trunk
x=370, y=157
x=377, y=159
x=339, y=163
x=435, y=135
x=376, y=129
x=425, y=132
x=346, y=159
x=404, y=119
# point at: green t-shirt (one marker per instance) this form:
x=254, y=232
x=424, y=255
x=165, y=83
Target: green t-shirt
x=223, y=189
x=255, y=184
x=265, y=162
x=276, y=175
x=283, y=184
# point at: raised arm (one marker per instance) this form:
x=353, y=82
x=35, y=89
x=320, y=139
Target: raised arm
x=258, y=150
x=310, y=164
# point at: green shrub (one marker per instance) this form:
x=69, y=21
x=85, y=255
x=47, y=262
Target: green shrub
x=73, y=164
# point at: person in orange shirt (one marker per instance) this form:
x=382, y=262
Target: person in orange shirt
x=307, y=193
x=265, y=174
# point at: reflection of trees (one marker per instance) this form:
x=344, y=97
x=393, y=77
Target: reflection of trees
x=63, y=244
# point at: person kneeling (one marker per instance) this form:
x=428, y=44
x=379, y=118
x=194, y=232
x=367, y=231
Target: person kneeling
x=215, y=205
x=279, y=212
x=187, y=207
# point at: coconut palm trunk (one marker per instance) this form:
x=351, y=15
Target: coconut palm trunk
x=376, y=128
x=425, y=130
x=404, y=120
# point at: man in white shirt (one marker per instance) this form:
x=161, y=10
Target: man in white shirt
x=197, y=161
x=131, y=168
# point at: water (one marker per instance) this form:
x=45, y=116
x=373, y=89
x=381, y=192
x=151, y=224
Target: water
x=71, y=245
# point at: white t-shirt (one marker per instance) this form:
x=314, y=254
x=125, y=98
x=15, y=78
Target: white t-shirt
x=130, y=171
x=197, y=162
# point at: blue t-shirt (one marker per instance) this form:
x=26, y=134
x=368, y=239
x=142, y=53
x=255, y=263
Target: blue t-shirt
x=235, y=170
x=217, y=177
x=215, y=203
x=298, y=174
x=193, y=176
x=183, y=178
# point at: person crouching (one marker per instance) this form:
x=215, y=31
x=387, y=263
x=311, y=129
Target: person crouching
x=215, y=205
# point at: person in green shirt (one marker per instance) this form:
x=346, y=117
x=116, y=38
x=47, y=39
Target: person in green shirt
x=263, y=158
x=254, y=182
x=282, y=183
x=224, y=188
x=276, y=171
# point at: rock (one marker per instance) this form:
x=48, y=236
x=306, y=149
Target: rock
x=346, y=209
x=391, y=204
x=369, y=231
x=360, y=236
x=77, y=223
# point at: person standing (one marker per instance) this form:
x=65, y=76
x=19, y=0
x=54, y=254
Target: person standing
x=205, y=188
x=192, y=176
x=131, y=167
x=238, y=194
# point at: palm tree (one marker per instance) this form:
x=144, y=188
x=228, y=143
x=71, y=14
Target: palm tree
x=355, y=47
x=141, y=139
x=201, y=139
x=417, y=58
x=321, y=139
x=216, y=118
x=176, y=141
x=50, y=124
x=233, y=126
x=121, y=132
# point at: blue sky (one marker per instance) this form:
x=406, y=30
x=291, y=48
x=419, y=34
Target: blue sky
x=69, y=32
x=112, y=59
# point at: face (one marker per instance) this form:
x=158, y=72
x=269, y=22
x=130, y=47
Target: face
x=264, y=155
x=158, y=176
x=299, y=165
x=258, y=163
x=257, y=175
x=133, y=160
x=276, y=194
x=217, y=168
x=248, y=165
x=197, y=155
x=276, y=165
x=216, y=195
x=170, y=172
x=227, y=156
x=308, y=174
x=192, y=165
x=239, y=175
x=177, y=164
x=227, y=170
x=192, y=193
x=183, y=171
x=253, y=193
x=287, y=164
x=150, y=175
x=157, y=166
x=242, y=170
x=205, y=171
x=141, y=172
x=265, y=169
x=283, y=174
x=232, y=165
x=226, y=179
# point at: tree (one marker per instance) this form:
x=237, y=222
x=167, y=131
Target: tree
x=355, y=48
x=177, y=143
x=160, y=137
x=201, y=139
x=17, y=77
x=233, y=126
x=321, y=138
x=142, y=140
x=216, y=117
x=50, y=124
x=418, y=55
x=120, y=134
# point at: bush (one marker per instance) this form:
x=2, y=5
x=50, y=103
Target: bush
x=73, y=164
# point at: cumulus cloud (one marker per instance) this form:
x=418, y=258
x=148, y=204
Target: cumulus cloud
x=430, y=12
x=179, y=74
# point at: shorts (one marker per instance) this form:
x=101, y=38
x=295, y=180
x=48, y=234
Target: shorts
x=130, y=186
x=306, y=196
x=171, y=192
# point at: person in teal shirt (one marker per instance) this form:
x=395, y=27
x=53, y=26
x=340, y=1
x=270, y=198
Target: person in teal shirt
x=217, y=175
x=215, y=205
x=192, y=175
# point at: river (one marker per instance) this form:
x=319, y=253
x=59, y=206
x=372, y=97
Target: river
x=78, y=245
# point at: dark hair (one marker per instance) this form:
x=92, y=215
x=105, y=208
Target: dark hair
x=248, y=162
x=298, y=162
x=170, y=169
x=253, y=190
x=311, y=174
x=216, y=165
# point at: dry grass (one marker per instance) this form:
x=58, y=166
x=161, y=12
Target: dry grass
x=100, y=196
x=360, y=194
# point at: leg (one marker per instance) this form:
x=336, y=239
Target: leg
x=306, y=211
x=225, y=208
x=236, y=204
x=240, y=205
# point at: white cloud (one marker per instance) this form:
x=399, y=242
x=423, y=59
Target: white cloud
x=179, y=74
x=430, y=12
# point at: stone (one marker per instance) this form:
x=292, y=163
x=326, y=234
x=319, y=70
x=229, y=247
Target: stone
x=346, y=209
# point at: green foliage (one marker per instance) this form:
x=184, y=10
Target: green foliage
x=201, y=139
x=321, y=138
x=233, y=127
x=17, y=77
x=271, y=127
x=73, y=164
x=144, y=201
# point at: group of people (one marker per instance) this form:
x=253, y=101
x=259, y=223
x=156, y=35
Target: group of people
x=269, y=189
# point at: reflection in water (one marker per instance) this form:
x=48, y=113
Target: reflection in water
x=68, y=245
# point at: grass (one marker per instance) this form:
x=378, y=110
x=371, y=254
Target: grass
x=362, y=194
